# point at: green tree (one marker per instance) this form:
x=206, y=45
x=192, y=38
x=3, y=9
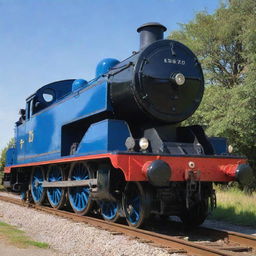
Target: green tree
x=222, y=41
x=10, y=144
x=225, y=43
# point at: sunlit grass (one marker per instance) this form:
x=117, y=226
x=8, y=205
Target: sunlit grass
x=234, y=206
x=17, y=237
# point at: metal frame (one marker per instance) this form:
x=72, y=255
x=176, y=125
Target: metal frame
x=212, y=168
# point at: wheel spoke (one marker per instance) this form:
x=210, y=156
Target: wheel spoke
x=85, y=197
x=135, y=214
x=79, y=196
x=55, y=197
x=134, y=205
x=59, y=192
x=109, y=210
x=36, y=185
x=55, y=194
x=76, y=198
x=80, y=201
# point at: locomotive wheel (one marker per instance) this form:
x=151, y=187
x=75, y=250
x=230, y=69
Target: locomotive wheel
x=56, y=196
x=79, y=197
x=136, y=204
x=37, y=190
x=196, y=215
x=110, y=210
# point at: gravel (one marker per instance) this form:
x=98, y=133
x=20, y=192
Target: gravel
x=227, y=226
x=216, y=224
x=70, y=238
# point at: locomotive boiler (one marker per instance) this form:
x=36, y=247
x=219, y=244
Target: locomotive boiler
x=116, y=145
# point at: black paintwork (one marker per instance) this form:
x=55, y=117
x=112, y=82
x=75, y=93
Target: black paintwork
x=159, y=173
x=245, y=175
x=150, y=32
x=173, y=140
x=144, y=91
x=179, y=155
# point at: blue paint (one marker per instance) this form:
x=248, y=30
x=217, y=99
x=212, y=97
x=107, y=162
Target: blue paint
x=46, y=125
x=78, y=84
x=36, y=185
x=109, y=209
x=79, y=196
x=41, y=137
x=219, y=145
x=54, y=194
x=105, y=136
x=20, y=142
x=60, y=89
x=105, y=65
x=11, y=157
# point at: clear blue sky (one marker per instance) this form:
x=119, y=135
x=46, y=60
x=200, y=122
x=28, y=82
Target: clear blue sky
x=42, y=41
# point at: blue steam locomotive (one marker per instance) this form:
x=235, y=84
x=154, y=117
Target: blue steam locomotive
x=116, y=144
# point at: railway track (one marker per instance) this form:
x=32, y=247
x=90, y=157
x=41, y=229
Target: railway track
x=223, y=242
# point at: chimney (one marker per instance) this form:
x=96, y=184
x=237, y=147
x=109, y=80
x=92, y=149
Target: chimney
x=150, y=32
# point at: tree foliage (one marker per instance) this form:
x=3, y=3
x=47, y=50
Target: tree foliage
x=222, y=41
x=10, y=144
x=225, y=43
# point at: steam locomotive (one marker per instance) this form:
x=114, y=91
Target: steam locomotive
x=116, y=144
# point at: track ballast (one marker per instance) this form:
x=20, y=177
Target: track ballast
x=232, y=244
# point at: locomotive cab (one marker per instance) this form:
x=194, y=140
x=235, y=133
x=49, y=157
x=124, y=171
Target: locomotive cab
x=49, y=94
x=45, y=97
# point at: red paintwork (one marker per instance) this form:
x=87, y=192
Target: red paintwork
x=134, y=166
x=211, y=169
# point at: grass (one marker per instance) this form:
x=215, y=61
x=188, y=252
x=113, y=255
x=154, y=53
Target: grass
x=235, y=207
x=18, y=238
